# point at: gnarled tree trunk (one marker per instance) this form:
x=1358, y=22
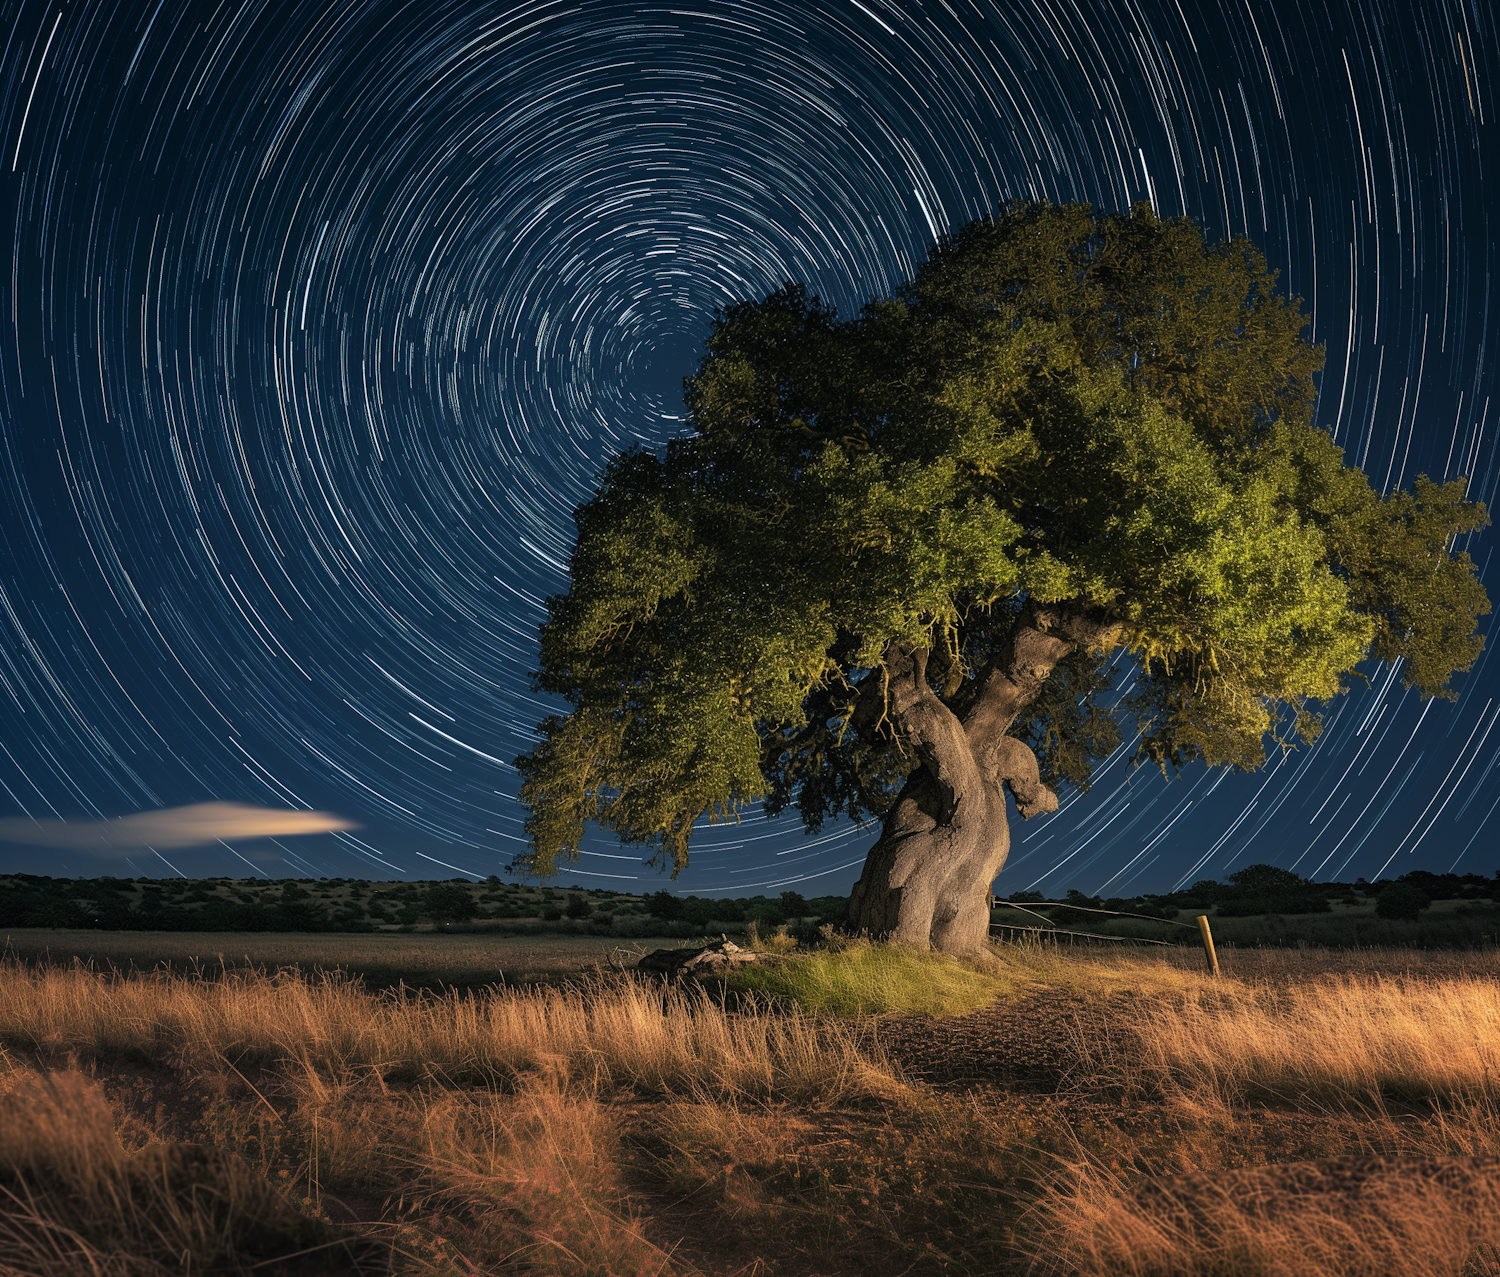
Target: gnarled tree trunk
x=927, y=881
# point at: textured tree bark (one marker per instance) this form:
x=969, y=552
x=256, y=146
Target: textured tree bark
x=927, y=880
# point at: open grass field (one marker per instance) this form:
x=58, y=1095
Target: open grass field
x=420, y=960
x=1038, y=1110
x=1456, y=924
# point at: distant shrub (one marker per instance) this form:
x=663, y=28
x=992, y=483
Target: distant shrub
x=449, y=902
x=697, y=912
x=664, y=905
x=1401, y=900
x=1267, y=880
x=729, y=910
x=767, y=914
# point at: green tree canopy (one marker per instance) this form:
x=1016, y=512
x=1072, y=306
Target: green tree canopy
x=1086, y=424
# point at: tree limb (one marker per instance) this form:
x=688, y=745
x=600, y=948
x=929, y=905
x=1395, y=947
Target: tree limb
x=1043, y=635
x=930, y=727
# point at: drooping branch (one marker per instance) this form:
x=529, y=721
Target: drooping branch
x=1015, y=763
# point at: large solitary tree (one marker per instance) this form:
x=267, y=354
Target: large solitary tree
x=1067, y=476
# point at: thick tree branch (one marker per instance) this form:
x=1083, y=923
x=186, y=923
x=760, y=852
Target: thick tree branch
x=1043, y=636
x=930, y=727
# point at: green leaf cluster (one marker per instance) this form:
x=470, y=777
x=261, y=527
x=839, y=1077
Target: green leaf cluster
x=1101, y=413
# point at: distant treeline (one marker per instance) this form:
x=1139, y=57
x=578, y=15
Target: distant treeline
x=1259, y=890
x=348, y=904
x=355, y=905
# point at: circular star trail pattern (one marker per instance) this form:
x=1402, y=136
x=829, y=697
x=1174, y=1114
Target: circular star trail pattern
x=321, y=318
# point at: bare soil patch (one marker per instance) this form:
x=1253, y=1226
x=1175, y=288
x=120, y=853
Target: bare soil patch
x=1030, y=1043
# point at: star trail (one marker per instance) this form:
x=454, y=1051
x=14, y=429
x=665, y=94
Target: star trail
x=321, y=318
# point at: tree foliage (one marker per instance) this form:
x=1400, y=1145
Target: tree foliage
x=1102, y=414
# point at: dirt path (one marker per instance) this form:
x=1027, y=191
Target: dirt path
x=1030, y=1044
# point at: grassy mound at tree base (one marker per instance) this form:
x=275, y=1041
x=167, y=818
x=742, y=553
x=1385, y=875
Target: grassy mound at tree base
x=855, y=977
x=859, y=978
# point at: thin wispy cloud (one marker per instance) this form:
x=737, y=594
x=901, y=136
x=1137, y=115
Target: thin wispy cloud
x=197, y=825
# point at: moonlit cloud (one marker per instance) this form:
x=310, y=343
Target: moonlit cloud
x=198, y=825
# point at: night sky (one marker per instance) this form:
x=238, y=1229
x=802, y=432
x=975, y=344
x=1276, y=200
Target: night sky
x=319, y=320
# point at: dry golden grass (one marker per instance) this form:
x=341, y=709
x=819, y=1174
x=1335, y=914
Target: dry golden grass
x=1335, y=1039
x=621, y=1034
x=477, y=1177
x=481, y=1178
x=1339, y=1048
x=1340, y=1220
x=617, y=1127
x=72, y=1200
x=488, y=1126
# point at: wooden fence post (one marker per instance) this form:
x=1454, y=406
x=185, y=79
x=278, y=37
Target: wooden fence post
x=1208, y=944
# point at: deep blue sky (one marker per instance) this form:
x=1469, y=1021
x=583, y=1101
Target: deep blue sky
x=321, y=318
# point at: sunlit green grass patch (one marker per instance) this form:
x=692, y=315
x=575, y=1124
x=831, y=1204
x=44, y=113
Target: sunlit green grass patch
x=876, y=979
